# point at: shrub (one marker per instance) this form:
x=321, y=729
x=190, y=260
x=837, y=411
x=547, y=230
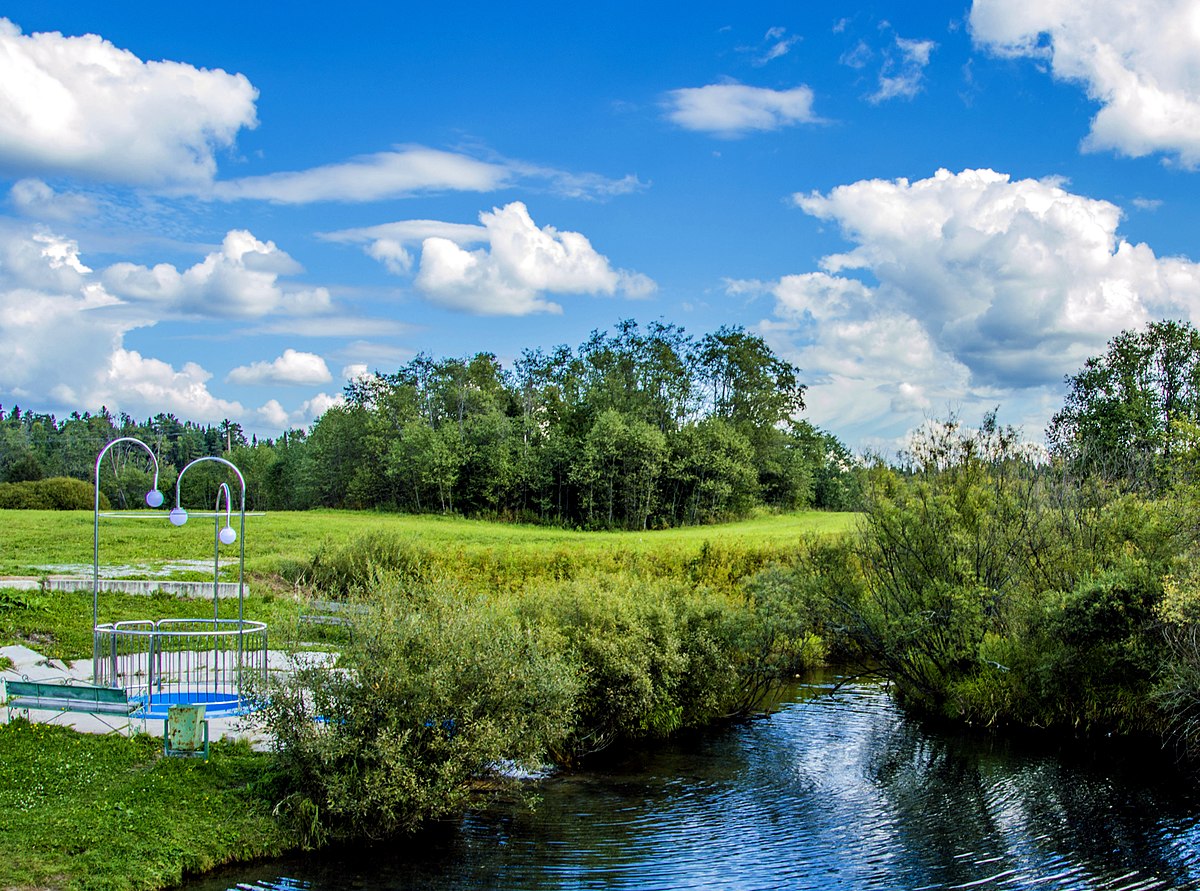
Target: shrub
x=437, y=689
x=56, y=493
x=337, y=569
x=630, y=656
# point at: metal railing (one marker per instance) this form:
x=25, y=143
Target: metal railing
x=171, y=661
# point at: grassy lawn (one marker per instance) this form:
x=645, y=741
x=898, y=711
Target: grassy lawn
x=488, y=556
x=36, y=539
x=81, y=811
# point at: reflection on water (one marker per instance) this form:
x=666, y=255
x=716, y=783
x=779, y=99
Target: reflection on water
x=835, y=790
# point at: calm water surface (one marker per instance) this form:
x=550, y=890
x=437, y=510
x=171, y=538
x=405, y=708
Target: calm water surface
x=834, y=790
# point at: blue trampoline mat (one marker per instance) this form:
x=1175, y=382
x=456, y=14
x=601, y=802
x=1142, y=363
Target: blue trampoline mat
x=217, y=705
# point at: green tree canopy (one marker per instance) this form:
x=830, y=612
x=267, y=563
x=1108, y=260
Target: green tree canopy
x=1120, y=408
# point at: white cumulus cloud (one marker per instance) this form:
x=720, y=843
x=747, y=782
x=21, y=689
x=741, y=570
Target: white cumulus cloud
x=272, y=414
x=1137, y=60
x=515, y=266
x=732, y=109
x=241, y=280
x=64, y=335
x=986, y=290
x=82, y=106
x=293, y=367
x=146, y=384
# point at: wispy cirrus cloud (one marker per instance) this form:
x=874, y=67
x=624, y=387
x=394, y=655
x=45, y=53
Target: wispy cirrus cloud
x=406, y=171
x=776, y=44
x=903, y=73
x=411, y=170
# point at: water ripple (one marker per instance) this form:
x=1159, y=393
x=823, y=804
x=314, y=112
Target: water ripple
x=835, y=790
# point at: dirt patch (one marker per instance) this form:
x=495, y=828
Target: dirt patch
x=38, y=640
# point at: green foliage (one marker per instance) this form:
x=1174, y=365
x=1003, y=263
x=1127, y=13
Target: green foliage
x=439, y=691
x=993, y=590
x=1121, y=407
x=16, y=599
x=57, y=493
x=454, y=665
x=651, y=660
x=711, y=473
x=941, y=555
x=338, y=569
x=634, y=429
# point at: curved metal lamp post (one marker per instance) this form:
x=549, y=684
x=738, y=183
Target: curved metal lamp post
x=179, y=516
x=154, y=498
x=159, y=656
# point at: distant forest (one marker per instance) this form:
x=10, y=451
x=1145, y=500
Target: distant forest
x=636, y=428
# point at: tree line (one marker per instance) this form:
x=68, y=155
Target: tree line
x=635, y=428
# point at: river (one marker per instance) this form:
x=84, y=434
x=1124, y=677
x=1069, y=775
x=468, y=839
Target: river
x=837, y=788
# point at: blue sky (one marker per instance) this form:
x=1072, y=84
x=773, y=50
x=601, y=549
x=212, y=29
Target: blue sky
x=226, y=211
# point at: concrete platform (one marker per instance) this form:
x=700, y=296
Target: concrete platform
x=146, y=587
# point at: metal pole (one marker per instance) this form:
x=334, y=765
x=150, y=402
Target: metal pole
x=241, y=552
x=96, y=541
x=115, y=681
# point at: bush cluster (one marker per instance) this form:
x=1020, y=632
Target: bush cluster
x=1001, y=591
x=441, y=685
x=56, y=493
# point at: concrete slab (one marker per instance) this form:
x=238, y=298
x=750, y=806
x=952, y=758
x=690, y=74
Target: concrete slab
x=280, y=661
x=20, y=583
x=80, y=669
x=195, y=590
x=41, y=672
x=35, y=667
x=21, y=656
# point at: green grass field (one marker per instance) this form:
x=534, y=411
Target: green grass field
x=487, y=557
x=34, y=540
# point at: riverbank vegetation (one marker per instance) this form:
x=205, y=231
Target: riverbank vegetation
x=479, y=645
x=1004, y=587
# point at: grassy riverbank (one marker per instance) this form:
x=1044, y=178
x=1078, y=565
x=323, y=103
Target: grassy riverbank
x=108, y=812
x=621, y=621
